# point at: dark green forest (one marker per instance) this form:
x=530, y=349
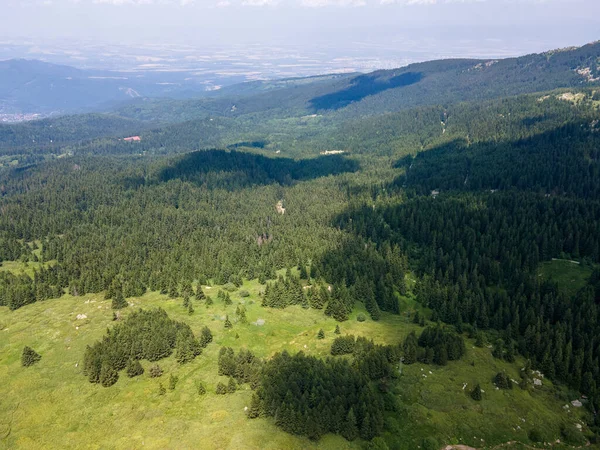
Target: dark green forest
x=467, y=193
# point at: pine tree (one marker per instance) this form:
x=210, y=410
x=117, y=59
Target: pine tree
x=134, y=368
x=228, y=323
x=476, y=393
x=29, y=357
x=231, y=386
x=205, y=337
x=221, y=389
x=337, y=329
x=200, y=293
x=161, y=389
x=209, y=300
x=118, y=301
x=190, y=309
x=321, y=334
x=255, y=409
x=349, y=428
x=201, y=389
x=108, y=375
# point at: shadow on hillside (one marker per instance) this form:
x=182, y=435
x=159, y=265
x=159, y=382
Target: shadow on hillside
x=361, y=87
x=235, y=170
x=561, y=161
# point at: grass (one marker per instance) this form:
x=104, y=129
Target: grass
x=51, y=405
x=569, y=275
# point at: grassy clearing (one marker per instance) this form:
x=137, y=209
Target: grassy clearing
x=569, y=275
x=51, y=404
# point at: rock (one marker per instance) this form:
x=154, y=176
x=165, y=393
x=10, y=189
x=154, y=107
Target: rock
x=537, y=382
x=260, y=322
x=576, y=403
x=81, y=316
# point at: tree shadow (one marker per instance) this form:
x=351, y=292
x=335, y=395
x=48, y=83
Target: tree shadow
x=235, y=170
x=561, y=161
x=363, y=86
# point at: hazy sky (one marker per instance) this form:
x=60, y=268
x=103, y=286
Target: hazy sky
x=516, y=25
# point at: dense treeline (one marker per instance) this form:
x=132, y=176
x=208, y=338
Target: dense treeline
x=145, y=334
x=563, y=161
x=99, y=227
x=435, y=345
x=478, y=255
x=311, y=397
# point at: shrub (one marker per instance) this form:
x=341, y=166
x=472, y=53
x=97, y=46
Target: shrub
x=173, y=379
x=134, y=368
x=29, y=357
x=155, y=371
x=244, y=293
x=361, y=317
x=221, y=389
x=321, y=334
x=201, y=389
x=476, y=393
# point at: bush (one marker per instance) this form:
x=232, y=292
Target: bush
x=29, y=357
x=221, y=389
x=430, y=443
x=134, y=368
x=321, y=334
x=230, y=287
x=535, y=435
x=201, y=389
x=173, y=379
x=244, y=293
x=476, y=393
x=361, y=317
x=155, y=371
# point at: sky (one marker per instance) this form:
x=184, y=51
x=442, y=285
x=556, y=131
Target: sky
x=501, y=26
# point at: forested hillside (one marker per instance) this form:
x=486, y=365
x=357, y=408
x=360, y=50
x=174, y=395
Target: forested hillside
x=396, y=260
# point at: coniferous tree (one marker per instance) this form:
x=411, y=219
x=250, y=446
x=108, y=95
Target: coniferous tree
x=349, y=428
x=255, y=408
x=108, y=375
x=205, y=337
x=201, y=389
x=29, y=357
x=221, y=389
x=231, y=385
x=321, y=334
x=228, y=324
x=476, y=393
x=337, y=329
x=134, y=368
x=118, y=301
x=161, y=389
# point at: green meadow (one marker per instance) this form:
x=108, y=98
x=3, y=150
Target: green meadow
x=570, y=275
x=51, y=405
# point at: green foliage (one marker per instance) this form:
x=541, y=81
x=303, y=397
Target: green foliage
x=503, y=381
x=108, y=375
x=476, y=393
x=161, y=389
x=173, y=379
x=155, y=371
x=201, y=389
x=146, y=334
x=134, y=368
x=227, y=324
x=343, y=345
x=321, y=334
x=331, y=396
x=361, y=317
x=221, y=389
x=29, y=357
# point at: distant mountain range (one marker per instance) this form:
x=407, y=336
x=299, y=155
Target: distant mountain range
x=38, y=87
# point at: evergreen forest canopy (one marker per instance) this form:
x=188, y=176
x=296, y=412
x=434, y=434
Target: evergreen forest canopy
x=432, y=193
